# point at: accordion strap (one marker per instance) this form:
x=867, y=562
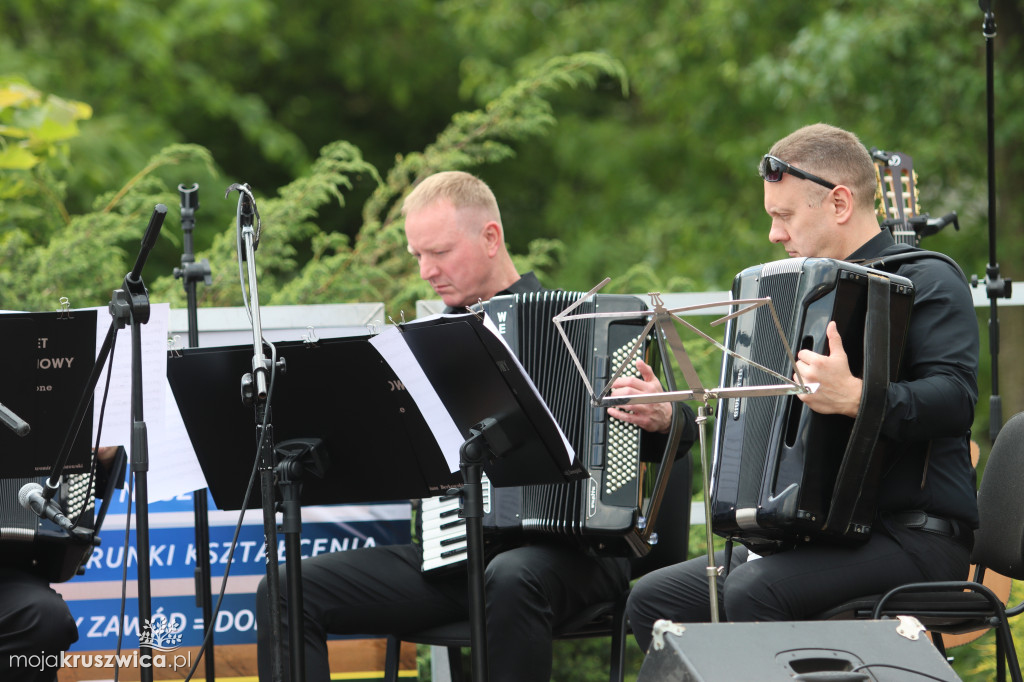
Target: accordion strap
x=857, y=459
x=891, y=262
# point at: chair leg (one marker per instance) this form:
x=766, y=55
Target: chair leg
x=391, y=655
x=1006, y=654
x=617, y=659
x=1000, y=657
x=617, y=664
x=455, y=664
x=940, y=644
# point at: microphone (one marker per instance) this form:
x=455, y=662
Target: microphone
x=13, y=421
x=249, y=215
x=31, y=497
x=247, y=207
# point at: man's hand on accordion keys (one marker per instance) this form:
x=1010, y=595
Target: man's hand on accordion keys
x=839, y=391
x=654, y=417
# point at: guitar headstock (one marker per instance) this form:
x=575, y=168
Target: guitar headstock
x=897, y=189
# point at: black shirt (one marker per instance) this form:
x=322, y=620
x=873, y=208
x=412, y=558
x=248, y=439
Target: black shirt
x=930, y=408
x=525, y=284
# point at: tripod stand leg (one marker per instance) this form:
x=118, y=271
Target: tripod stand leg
x=291, y=526
x=273, y=579
x=142, y=535
x=712, y=569
x=204, y=593
x=472, y=453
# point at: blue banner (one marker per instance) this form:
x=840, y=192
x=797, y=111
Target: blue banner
x=95, y=596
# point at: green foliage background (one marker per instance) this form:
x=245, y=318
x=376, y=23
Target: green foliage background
x=620, y=138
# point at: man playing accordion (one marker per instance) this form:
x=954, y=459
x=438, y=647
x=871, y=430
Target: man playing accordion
x=454, y=231
x=819, y=189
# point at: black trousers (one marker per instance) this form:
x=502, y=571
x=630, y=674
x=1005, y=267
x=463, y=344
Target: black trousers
x=35, y=627
x=380, y=590
x=797, y=584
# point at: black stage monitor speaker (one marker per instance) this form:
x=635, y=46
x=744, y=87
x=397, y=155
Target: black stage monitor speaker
x=818, y=651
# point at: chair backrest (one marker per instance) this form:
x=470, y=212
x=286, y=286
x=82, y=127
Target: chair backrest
x=673, y=525
x=999, y=540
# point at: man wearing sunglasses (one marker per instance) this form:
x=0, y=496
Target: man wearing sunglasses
x=819, y=189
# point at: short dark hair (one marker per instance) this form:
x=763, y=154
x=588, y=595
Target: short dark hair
x=834, y=154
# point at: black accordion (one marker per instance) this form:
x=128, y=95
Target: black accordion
x=38, y=545
x=783, y=474
x=600, y=510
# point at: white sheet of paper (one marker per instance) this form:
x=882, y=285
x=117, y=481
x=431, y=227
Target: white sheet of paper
x=393, y=348
x=173, y=467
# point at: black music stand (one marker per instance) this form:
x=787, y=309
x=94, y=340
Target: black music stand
x=504, y=424
x=356, y=423
x=508, y=431
x=205, y=382
x=48, y=357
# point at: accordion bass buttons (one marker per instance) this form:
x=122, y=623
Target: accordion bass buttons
x=738, y=382
x=599, y=436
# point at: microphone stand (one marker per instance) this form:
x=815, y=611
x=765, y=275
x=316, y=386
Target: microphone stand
x=129, y=304
x=995, y=286
x=132, y=303
x=254, y=393
x=191, y=273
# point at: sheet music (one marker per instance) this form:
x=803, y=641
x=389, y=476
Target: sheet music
x=393, y=348
x=173, y=467
x=397, y=353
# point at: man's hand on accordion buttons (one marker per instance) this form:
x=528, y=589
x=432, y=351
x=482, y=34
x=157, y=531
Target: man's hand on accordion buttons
x=838, y=391
x=655, y=417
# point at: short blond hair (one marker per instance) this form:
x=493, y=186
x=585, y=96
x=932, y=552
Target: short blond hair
x=833, y=154
x=462, y=189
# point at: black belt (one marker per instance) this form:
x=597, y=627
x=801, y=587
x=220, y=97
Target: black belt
x=951, y=528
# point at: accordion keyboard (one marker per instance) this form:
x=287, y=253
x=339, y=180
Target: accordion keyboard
x=443, y=537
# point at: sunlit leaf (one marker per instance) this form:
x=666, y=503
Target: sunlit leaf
x=17, y=158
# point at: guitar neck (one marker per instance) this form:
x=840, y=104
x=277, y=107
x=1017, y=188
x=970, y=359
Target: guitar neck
x=903, y=235
x=897, y=189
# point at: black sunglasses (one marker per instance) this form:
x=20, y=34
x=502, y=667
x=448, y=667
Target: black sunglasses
x=772, y=168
